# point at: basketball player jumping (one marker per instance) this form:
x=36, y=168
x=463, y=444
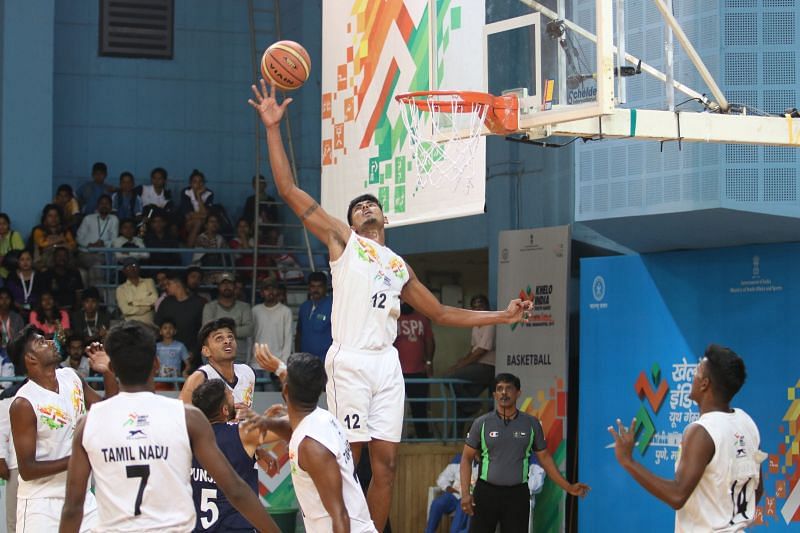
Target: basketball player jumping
x=365, y=383
x=718, y=475
x=139, y=447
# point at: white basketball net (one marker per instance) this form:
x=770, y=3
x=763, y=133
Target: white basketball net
x=443, y=138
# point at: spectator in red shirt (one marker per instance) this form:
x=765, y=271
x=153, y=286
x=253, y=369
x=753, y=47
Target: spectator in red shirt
x=415, y=345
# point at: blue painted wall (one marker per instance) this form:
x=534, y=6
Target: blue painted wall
x=26, y=119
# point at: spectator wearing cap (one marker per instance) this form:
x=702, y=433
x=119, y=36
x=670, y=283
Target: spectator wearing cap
x=136, y=297
x=273, y=323
x=227, y=306
x=314, y=318
x=186, y=310
x=90, y=322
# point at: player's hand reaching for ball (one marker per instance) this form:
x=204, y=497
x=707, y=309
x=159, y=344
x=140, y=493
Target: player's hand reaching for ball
x=265, y=358
x=579, y=489
x=264, y=101
x=98, y=358
x=519, y=311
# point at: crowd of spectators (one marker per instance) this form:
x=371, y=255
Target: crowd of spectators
x=88, y=263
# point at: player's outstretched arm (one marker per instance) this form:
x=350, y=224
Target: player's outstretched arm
x=101, y=363
x=549, y=466
x=331, y=231
x=242, y=497
x=249, y=421
x=697, y=450
x=77, y=481
x=321, y=465
x=23, y=427
x=420, y=298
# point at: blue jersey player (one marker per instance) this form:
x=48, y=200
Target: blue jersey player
x=214, y=511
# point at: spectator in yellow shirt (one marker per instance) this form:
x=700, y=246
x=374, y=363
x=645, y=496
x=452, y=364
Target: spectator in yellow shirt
x=137, y=296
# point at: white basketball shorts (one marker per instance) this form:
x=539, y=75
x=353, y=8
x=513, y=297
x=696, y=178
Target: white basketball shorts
x=366, y=393
x=35, y=515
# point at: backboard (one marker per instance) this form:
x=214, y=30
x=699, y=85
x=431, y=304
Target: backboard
x=560, y=63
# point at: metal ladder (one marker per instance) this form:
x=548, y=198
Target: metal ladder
x=264, y=22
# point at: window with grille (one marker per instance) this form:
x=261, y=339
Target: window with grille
x=137, y=28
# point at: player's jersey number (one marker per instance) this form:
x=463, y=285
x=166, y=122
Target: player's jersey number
x=143, y=473
x=208, y=505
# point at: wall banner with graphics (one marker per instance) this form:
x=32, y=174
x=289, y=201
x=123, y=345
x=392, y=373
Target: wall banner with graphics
x=534, y=265
x=373, y=50
x=645, y=322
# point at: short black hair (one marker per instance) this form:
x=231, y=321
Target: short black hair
x=7, y=292
x=5, y=217
x=209, y=397
x=191, y=269
x=168, y=320
x=318, y=276
x=305, y=379
x=177, y=275
x=159, y=170
x=726, y=371
x=126, y=174
x=127, y=221
x=131, y=346
x=90, y=292
x=479, y=297
x=100, y=167
x=196, y=172
x=18, y=345
x=505, y=377
x=106, y=197
x=64, y=187
x=213, y=325
x=357, y=200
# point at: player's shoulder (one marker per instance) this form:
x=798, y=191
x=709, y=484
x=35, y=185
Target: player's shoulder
x=244, y=369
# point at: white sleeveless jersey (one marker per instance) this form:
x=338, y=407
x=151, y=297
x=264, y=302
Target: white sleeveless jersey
x=367, y=280
x=323, y=427
x=242, y=388
x=725, y=498
x=139, y=449
x=56, y=416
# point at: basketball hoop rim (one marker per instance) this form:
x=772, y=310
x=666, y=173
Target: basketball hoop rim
x=469, y=99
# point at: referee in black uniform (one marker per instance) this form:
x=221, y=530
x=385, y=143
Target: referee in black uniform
x=502, y=442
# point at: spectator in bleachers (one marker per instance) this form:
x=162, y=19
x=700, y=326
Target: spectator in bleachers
x=227, y=306
x=91, y=322
x=161, y=278
x=11, y=322
x=267, y=211
x=186, y=309
x=273, y=323
x=195, y=203
x=76, y=356
x=11, y=243
x=65, y=199
x=210, y=238
x=415, y=346
x=127, y=238
x=156, y=194
x=125, y=203
x=97, y=230
x=173, y=356
x=314, y=318
x=64, y=280
x=53, y=322
x=158, y=236
x=194, y=279
x=90, y=192
x=449, y=482
x=244, y=262
x=26, y=284
x=49, y=235
x=136, y=297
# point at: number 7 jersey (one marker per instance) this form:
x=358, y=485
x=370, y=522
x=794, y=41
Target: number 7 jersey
x=367, y=280
x=141, y=457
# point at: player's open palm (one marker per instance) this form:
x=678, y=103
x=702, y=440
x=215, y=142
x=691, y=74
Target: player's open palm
x=264, y=101
x=265, y=358
x=624, y=440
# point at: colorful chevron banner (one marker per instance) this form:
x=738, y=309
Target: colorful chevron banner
x=372, y=51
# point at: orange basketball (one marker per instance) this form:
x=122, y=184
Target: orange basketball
x=286, y=64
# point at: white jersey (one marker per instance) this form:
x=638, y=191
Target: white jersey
x=139, y=449
x=368, y=279
x=725, y=498
x=56, y=416
x=243, y=384
x=322, y=427
x=7, y=451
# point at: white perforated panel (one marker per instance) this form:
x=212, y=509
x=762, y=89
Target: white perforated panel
x=741, y=184
x=780, y=185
